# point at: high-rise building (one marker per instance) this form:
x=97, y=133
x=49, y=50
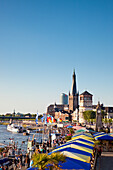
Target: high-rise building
x=73, y=96
x=63, y=98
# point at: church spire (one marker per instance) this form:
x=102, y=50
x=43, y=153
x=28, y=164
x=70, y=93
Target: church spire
x=74, y=89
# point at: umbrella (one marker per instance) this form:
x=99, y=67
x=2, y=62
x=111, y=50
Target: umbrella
x=68, y=134
x=80, y=130
x=69, y=126
x=79, y=127
x=31, y=168
x=66, y=125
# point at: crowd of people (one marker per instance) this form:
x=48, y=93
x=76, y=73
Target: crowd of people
x=17, y=160
x=11, y=156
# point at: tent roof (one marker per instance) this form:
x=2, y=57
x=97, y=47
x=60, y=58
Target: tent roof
x=76, y=143
x=73, y=150
x=105, y=137
x=85, y=140
x=81, y=157
x=73, y=163
x=98, y=133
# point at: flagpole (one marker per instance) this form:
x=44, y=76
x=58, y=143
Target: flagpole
x=43, y=134
x=36, y=126
x=43, y=128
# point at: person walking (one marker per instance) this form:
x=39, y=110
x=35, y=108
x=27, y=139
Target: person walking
x=14, y=164
x=27, y=161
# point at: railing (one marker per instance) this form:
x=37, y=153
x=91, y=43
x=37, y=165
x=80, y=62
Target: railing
x=95, y=161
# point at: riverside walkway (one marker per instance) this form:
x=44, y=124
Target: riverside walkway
x=105, y=161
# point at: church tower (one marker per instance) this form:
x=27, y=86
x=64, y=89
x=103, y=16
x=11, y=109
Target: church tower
x=73, y=96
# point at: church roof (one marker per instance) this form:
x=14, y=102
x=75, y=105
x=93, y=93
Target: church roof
x=86, y=93
x=74, y=88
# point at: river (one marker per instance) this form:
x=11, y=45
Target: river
x=6, y=137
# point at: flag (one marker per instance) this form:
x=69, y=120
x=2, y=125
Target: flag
x=60, y=120
x=42, y=119
x=53, y=120
x=36, y=119
x=45, y=119
x=49, y=119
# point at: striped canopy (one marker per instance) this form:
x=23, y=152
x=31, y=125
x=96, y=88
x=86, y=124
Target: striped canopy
x=85, y=142
x=77, y=156
x=73, y=149
x=98, y=133
x=104, y=137
x=84, y=137
x=76, y=144
x=74, y=164
x=85, y=134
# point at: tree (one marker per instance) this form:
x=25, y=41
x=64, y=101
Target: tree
x=40, y=160
x=56, y=158
x=68, y=138
x=103, y=113
x=71, y=131
x=89, y=114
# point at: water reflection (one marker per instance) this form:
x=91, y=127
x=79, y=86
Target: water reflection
x=6, y=137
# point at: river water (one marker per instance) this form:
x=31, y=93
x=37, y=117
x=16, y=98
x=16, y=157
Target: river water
x=6, y=137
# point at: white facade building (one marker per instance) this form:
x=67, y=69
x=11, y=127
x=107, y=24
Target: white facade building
x=84, y=105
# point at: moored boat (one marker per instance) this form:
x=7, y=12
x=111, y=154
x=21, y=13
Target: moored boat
x=13, y=128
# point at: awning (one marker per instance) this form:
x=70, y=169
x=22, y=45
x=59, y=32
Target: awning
x=105, y=137
x=73, y=150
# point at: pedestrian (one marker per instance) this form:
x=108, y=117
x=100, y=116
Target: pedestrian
x=27, y=161
x=20, y=160
x=2, y=167
x=47, y=149
x=100, y=151
x=14, y=164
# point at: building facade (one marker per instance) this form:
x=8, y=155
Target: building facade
x=85, y=104
x=64, y=116
x=51, y=109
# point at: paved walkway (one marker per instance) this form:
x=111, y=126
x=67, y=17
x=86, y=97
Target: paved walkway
x=105, y=161
x=23, y=168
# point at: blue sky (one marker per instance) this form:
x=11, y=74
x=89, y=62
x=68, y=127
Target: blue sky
x=42, y=41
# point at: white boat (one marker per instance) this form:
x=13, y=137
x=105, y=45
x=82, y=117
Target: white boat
x=13, y=128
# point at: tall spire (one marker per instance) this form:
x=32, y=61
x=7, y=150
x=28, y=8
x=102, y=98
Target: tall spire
x=74, y=89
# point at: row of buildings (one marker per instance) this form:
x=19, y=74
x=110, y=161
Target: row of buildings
x=73, y=105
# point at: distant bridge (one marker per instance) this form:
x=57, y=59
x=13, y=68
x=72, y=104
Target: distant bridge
x=16, y=117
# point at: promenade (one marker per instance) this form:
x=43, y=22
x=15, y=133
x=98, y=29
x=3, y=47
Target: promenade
x=105, y=161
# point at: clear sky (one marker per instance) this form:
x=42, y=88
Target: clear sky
x=42, y=41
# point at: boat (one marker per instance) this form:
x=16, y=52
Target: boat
x=13, y=128
x=26, y=132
